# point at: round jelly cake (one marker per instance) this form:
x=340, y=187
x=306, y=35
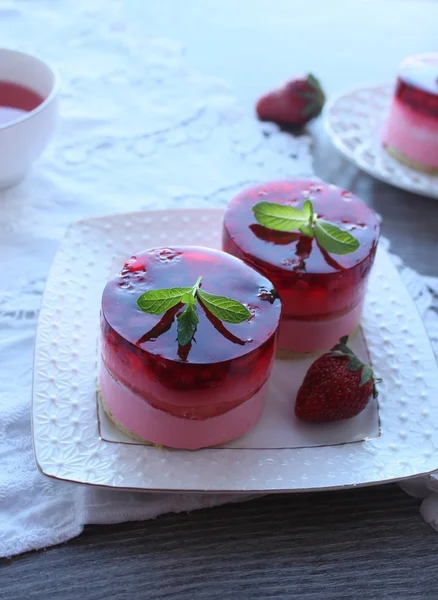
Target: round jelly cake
x=322, y=293
x=212, y=388
x=410, y=133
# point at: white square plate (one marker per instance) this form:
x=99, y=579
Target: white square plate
x=74, y=440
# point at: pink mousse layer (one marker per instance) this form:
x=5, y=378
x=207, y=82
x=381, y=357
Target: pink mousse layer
x=159, y=427
x=413, y=134
x=311, y=336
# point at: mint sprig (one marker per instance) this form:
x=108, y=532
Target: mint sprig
x=334, y=239
x=157, y=302
x=281, y=217
x=223, y=308
x=187, y=323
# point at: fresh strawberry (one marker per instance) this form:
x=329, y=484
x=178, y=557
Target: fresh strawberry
x=337, y=386
x=295, y=103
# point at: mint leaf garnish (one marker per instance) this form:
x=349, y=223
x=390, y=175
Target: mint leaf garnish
x=187, y=323
x=225, y=309
x=188, y=298
x=157, y=302
x=333, y=239
x=281, y=217
x=307, y=228
x=308, y=209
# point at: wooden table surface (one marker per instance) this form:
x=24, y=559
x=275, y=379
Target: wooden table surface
x=368, y=542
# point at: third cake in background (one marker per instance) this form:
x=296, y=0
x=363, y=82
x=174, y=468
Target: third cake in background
x=316, y=243
x=411, y=131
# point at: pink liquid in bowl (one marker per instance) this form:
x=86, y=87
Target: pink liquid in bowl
x=16, y=101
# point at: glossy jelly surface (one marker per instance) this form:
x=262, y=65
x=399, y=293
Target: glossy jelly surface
x=224, y=365
x=312, y=283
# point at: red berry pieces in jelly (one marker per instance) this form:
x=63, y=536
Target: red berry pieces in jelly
x=311, y=282
x=226, y=363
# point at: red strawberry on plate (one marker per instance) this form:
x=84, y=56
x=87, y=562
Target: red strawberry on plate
x=338, y=385
x=295, y=103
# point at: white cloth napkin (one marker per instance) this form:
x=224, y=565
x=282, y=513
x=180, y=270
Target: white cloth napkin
x=139, y=129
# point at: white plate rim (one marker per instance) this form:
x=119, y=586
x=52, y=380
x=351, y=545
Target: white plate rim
x=406, y=448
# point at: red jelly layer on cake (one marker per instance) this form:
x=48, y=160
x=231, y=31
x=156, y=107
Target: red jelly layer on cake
x=224, y=366
x=313, y=285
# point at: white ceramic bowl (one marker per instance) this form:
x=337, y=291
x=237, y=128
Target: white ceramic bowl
x=22, y=141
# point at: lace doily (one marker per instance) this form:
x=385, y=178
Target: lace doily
x=139, y=129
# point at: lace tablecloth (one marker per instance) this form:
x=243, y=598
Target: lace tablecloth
x=139, y=129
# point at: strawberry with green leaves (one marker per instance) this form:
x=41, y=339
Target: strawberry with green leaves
x=337, y=386
x=294, y=104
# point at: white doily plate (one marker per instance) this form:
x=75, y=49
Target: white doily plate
x=354, y=121
x=66, y=432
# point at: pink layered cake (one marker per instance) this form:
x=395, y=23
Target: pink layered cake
x=208, y=391
x=411, y=130
x=322, y=293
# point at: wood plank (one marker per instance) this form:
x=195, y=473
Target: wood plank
x=369, y=542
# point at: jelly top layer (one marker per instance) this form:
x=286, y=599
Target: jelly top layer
x=178, y=266
x=294, y=252
x=421, y=71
